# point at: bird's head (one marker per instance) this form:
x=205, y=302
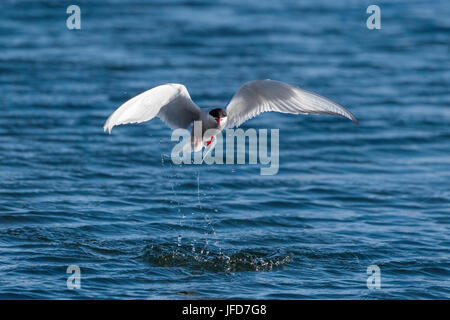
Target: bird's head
x=220, y=115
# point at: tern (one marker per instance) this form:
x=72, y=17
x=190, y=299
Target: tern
x=172, y=104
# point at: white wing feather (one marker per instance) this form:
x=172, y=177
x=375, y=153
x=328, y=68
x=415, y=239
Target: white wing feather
x=169, y=102
x=260, y=96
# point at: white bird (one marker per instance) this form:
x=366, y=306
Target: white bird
x=172, y=104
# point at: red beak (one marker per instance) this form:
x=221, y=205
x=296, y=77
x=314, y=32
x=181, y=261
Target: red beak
x=218, y=121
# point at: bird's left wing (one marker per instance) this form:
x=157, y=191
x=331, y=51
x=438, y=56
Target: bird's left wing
x=260, y=96
x=169, y=102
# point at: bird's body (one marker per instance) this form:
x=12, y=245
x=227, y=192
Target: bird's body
x=172, y=104
x=212, y=122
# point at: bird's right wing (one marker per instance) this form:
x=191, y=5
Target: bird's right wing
x=260, y=96
x=169, y=102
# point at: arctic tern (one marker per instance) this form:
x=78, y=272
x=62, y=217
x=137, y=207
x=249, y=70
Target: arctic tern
x=172, y=103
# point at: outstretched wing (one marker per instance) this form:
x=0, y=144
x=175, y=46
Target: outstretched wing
x=169, y=102
x=260, y=96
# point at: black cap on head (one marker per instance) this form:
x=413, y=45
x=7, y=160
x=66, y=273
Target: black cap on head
x=218, y=113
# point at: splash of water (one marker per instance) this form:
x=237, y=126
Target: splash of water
x=260, y=260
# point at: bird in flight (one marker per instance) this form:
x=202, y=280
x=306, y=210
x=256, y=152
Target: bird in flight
x=173, y=104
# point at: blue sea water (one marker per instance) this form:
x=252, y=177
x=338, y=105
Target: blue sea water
x=138, y=226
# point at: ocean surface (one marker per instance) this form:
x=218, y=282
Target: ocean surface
x=140, y=227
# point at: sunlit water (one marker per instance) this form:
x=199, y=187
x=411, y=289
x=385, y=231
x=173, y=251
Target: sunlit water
x=138, y=226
